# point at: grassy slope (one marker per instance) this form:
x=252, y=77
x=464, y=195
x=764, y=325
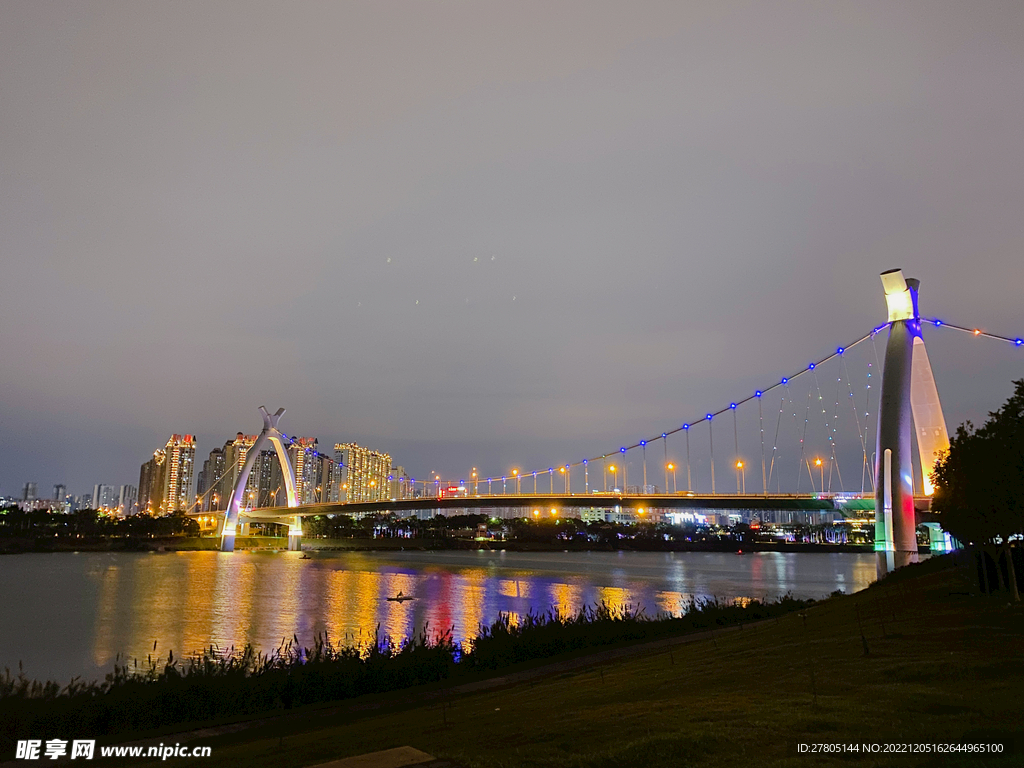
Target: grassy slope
x=947, y=670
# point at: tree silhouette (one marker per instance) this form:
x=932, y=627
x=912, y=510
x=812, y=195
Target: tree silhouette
x=979, y=483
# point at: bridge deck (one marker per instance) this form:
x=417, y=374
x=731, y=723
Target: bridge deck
x=546, y=501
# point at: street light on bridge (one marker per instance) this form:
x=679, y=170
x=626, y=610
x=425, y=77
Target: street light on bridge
x=612, y=470
x=672, y=469
x=515, y=474
x=741, y=472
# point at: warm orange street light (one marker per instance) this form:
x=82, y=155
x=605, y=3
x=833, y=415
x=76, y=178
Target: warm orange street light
x=672, y=469
x=741, y=476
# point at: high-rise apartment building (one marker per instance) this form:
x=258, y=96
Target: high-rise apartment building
x=151, y=483
x=126, y=499
x=399, y=484
x=104, y=497
x=180, y=465
x=305, y=459
x=28, y=493
x=363, y=474
x=207, y=486
x=60, y=492
x=235, y=453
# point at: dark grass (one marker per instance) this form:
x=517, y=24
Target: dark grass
x=215, y=685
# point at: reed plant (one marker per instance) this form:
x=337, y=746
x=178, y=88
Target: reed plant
x=217, y=684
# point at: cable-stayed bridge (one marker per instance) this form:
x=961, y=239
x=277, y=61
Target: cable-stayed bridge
x=779, y=448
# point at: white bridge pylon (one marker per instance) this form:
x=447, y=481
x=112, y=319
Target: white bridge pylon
x=274, y=435
x=909, y=402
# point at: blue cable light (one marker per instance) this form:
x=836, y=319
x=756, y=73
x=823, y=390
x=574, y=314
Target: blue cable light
x=686, y=426
x=622, y=450
x=1018, y=342
x=785, y=381
x=840, y=351
x=810, y=367
x=937, y=323
x=643, y=443
x=758, y=393
x=733, y=406
x=708, y=417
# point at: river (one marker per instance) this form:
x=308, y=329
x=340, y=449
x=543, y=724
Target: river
x=71, y=614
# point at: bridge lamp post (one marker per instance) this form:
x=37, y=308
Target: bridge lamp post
x=586, y=478
x=515, y=474
x=741, y=472
x=534, y=483
x=672, y=469
x=643, y=449
x=562, y=470
x=476, y=484
x=612, y=470
x=821, y=470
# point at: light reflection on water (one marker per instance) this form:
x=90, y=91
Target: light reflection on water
x=71, y=615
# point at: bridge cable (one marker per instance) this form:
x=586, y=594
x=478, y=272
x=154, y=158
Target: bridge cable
x=860, y=432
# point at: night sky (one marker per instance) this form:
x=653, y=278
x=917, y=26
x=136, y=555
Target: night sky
x=493, y=235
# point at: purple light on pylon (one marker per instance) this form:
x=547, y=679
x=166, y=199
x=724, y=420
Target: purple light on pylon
x=938, y=323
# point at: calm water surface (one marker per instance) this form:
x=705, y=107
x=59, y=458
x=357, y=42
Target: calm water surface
x=71, y=614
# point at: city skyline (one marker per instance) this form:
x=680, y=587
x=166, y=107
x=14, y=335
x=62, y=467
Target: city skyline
x=533, y=237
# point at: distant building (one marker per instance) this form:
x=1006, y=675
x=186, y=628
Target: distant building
x=306, y=464
x=126, y=499
x=60, y=492
x=207, y=486
x=180, y=453
x=28, y=493
x=83, y=502
x=399, y=484
x=235, y=453
x=361, y=474
x=104, y=497
x=151, y=483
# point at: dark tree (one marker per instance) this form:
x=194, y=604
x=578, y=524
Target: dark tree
x=979, y=483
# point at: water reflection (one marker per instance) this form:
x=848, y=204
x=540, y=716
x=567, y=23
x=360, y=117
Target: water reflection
x=78, y=611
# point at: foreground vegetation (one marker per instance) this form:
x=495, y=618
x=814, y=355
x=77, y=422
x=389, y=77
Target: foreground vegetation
x=215, y=685
x=920, y=658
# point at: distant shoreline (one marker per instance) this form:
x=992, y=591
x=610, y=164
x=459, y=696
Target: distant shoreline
x=14, y=546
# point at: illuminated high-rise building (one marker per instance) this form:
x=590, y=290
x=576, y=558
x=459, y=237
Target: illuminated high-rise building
x=207, y=488
x=60, y=492
x=361, y=474
x=306, y=463
x=235, y=452
x=151, y=483
x=180, y=453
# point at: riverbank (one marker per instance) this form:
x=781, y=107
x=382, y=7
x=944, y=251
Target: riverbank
x=10, y=546
x=919, y=659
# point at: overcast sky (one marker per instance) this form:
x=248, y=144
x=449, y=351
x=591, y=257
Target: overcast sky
x=484, y=234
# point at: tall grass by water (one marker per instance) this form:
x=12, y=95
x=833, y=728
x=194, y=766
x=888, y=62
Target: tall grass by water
x=216, y=685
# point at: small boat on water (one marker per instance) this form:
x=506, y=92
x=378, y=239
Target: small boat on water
x=399, y=598
x=305, y=557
